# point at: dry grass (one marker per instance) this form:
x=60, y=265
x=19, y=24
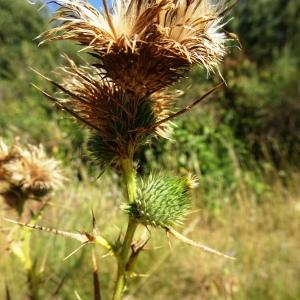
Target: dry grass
x=264, y=237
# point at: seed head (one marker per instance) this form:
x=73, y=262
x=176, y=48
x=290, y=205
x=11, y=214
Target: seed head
x=4, y=150
x=7, y=154
x=117, y=116
x=145, y=45
x=34, y=172
x=140, y=48
x=162, y=201
x=4, y=153
x=26, y=172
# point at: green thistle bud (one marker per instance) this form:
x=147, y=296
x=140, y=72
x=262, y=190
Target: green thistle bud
x=162, y=201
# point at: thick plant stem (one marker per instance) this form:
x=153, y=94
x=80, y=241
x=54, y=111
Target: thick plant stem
x=129, y=174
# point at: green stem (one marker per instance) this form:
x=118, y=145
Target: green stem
x=129, y=174
x=122, y=260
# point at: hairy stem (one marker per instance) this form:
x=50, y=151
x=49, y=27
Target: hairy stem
x=129, y=175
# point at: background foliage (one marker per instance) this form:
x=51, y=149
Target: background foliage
x=256, y=115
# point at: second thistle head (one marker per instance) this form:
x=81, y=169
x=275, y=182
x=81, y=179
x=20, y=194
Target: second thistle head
x=7, y=154
x=27, y=173
x=34, y=172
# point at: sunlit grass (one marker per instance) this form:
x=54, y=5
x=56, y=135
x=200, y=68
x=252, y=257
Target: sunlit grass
x=264, y=237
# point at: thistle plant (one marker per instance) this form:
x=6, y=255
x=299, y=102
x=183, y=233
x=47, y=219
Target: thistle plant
x=138, y=50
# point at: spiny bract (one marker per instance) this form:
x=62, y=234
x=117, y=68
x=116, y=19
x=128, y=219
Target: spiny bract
x=162, y=201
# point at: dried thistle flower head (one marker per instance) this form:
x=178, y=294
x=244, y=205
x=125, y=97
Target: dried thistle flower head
x=7, y=154
x=4, y=150
x=26, y=173
x=117, y=116
x=33, y=172
x=4, y=184
x=141, y=47
x=162, y=201
x=145, y=45
x=194, y=29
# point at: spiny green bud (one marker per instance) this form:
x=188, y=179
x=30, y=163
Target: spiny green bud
x=162, y=201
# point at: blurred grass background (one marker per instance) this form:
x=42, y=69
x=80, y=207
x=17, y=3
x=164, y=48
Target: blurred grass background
x=243, y=144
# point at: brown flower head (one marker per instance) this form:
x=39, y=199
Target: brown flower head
x=4, y=151
x=7, y=154
x=141, y=47
x=145, y=45
x=34, y=172
x=117, y=116
x=4, y=154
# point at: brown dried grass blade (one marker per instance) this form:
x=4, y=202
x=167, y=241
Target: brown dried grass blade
x=59, y=286
x=7, y=292
x=97, y=288
x=93, y=220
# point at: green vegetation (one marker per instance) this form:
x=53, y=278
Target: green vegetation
x=264, y=237
x=23, y=111
x=243, y=144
